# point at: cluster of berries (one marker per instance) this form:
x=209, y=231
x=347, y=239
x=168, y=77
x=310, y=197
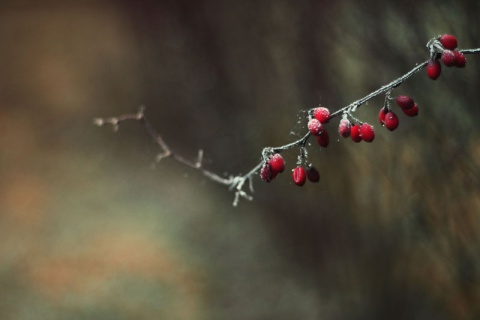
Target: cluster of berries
x=357, y=132
x=449, y=56
x=272, y=167
x=321, y=115
x=276, y=165
x=389, y=119
x=444, y=50
x=300, y=175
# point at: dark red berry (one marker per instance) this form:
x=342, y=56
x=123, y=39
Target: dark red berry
x=323, y=139
x=299, y=176
x=448, y=58
x=448, y=41
x=312, y=174
x=367, y=133
x=344, y=128
x=434, y=69
x=405, y=102
x=460, y=59
x=266, y=173
x=391, y=120
x=276, y=162
x=321, y=114
x=381, y=116
x=315, y=127
x=411, y=112
x=355, y=133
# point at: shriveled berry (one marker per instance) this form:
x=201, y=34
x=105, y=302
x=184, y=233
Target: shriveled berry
x=460, y=59
x=367, y=133
x=405, y=102
x=381, y=116
x=391, y=120
x=412, y=112
x=315, y=127
x=323, y=139
x=322, y=114
x=448, y=58
x=276, y=162
x=299, y=176
x=266, y=173
x=448, y=41
x=355, y=133
x=312, y=174
x=344, y=128
x=434, y=69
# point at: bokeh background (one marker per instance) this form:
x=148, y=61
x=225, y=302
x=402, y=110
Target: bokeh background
x=91, y=229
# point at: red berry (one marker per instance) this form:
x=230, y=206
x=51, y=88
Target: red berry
x=448, y=41
x=367, y=133
x=405, y=102
x=267, y=174
x=448, y=58
x=321, y=114
x=344, y=128
x=323, y=139
x=381, y=115
x=315, y=127
x=312, y=174
x=411, y=112
x=460, y=59
x=299, y=176
x=391, y=120
x=433, y=69
x=355, y=133
x=276, y=162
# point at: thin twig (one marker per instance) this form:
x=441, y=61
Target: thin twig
x=165, y=151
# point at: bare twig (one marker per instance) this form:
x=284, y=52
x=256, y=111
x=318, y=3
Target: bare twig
x=165, y=151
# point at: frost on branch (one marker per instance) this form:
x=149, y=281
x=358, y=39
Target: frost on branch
x=441, y=49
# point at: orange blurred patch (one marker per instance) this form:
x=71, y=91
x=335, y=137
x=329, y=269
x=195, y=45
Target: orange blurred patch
x=106, y=259
x=24, y=200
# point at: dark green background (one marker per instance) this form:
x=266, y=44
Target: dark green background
x=89, y=230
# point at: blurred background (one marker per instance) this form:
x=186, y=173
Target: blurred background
x=91, y=229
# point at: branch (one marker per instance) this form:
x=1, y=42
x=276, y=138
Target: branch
x=237, y=183
x=166, y=152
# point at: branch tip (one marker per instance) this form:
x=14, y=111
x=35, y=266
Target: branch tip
x=98, y=122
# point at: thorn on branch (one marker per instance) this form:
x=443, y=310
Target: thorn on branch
x=112, y=121
x=242, y=194
x=162, y=156
x=199, y=160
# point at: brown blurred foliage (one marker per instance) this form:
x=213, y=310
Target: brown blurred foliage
x=90, y=231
